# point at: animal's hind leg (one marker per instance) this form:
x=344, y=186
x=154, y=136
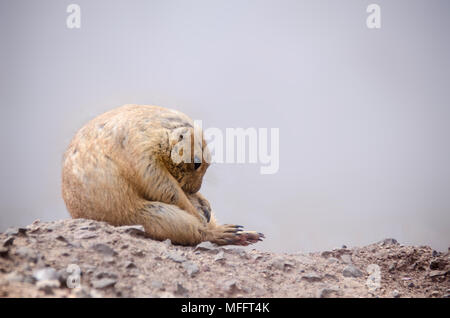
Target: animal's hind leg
x=164, y=221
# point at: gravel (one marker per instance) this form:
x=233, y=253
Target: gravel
x=107, y=261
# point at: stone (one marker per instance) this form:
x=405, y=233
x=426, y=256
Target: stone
x=395, y=293
x=388, y=241
x=103, y=283
x=312, y=277
x=282, y=264
x=136, y=230
x=256, y=257
x=109, y=260
x=234, y=250
x=206, y=246
x=328, y=292
x=138, y=253
x=8, y=241
x=129, y=265
x=230, y=286
x=76, y=245
x=85, y=235
x=177, y=258
x=191, y=268
x=61, y=239
x=104, y=274
x=332, y=260
x=305, y=260
x=346, y=258
x=331, y=276
x=104, y=249
x=156, y=284
x=438, y=264
x=220, y=257
x=16, y=231
x=392, y=267
x=434, y=274
x=181, y=290
x=4, y=251
x=92, y=227
x=352, y=271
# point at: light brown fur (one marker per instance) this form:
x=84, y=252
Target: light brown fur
x=118, y=168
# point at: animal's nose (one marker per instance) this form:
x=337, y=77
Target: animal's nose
x=197, y=162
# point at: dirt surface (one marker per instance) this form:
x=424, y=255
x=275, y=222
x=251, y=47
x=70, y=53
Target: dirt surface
x=122, y=262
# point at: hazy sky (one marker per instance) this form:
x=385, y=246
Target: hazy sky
x=363, y=114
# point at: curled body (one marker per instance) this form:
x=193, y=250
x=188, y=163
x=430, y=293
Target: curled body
x=129, y=166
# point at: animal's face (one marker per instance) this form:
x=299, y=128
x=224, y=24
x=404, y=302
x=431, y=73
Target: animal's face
x=190, y=157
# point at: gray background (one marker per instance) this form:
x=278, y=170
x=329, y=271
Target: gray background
x=363, y=114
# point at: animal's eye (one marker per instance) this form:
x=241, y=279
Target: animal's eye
x=181, y=137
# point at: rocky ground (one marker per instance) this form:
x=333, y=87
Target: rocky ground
x=121, y=262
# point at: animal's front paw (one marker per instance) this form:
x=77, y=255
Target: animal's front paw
x=229, y=234
x=248, y=237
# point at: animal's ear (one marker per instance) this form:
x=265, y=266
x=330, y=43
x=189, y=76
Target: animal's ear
x=178, y=135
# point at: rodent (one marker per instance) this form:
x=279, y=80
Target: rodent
x=119, y=168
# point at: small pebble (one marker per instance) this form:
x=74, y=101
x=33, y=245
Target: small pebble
x=178, y=258
x=206, y=246
x=103, y=283
x=219, y=257
x=156, y=284
x=8, y=242
x=181, y=290
x=191, y=268
x=312, y=277
x=103, y=249
x=346, y=258
x=352, y=271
